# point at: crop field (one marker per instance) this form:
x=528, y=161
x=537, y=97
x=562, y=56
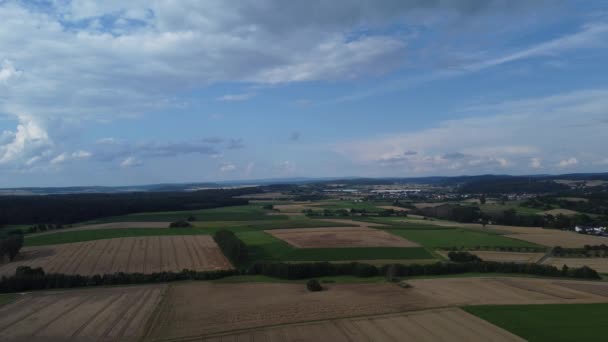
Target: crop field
x=598, y=264
x=237, y=306
x=521, y=257
x=554, y=237
x=339, y=237
x=109, y=314
x=447, y=238
x=506, y=290
x=263, y=246
x=130, y=255
x=225, y=307
x=565, y=322
x=440, y=324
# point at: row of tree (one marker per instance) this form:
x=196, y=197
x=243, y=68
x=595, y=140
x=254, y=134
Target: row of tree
x=26, y=279
x=232, y=247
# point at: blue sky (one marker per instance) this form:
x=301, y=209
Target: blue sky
x=115, y=92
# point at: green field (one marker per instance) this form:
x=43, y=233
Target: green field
x=263, y=246
x=458, y=237
x=553, y=322
x=368, y=206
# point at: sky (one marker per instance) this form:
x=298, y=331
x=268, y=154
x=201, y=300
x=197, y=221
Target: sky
x=157, y=91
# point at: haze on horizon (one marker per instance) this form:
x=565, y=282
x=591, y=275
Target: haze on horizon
x=140, y=92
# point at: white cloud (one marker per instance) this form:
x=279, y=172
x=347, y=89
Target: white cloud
x=536, y=163
x=484, y=140
x=568, y=162
x=65, y=157
x=287, y=167
x=130, y=162
x=249, y=169
x=228, y=167
x=236, y=97
x=7, y=71
x=29, y=139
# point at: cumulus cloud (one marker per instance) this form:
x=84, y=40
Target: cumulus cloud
x=484, y=140
x=27, y=141
x=65, y=157
x=536, y=163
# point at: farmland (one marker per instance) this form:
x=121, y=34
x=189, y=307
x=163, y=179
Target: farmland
x=129, y=255
x=83, y=315
x=339, y=237
x=457, y=237
x=565, y=322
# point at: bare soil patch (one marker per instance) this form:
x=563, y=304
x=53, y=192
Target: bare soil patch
x=131, y=254
x=596, y=289
x=440, y=324
x=339, y=237
x=555, y=212
x=503, y=256
x=395, y=208
x=109, y=314
x=598, y=264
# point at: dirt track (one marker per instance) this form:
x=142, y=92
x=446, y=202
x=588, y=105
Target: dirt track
x=229, y=307
x=132, y=254
x=339, y=237
x=430, y=325
x=108, y=314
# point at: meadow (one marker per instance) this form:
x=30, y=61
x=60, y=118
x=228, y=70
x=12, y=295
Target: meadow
x=458, y=237
x=555, y=322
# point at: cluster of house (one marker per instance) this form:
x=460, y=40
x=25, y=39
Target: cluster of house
x=591, y=230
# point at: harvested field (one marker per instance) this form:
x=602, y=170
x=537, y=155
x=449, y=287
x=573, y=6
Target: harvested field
x=184, y=313
x=112, y=225
x=555, y=212
x=228, y=307
x=339, y=237
x=553, y=237
x=132, y=254
x=503, y=256
x=395, y=208
x=476, y=291
x=108, y=314
x=440, y=324
x=354, y=223
x=295, y=207
x=598, y=264
x=428, y=205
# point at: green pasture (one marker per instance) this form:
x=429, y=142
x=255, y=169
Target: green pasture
x=457, y=237
x=550, y=322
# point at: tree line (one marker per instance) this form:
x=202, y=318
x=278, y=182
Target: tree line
x=65, y=209
x=26, y=279
x=232, y=247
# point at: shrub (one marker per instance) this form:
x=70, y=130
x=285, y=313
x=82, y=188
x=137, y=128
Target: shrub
x=180, y=224
x=463, y=257
x=191, y=218
x=313, y=285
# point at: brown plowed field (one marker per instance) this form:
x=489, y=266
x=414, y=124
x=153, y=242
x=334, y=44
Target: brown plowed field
x=431, y=325
x=132, y=254
x=503, y=256
x=598, y=264
x=339, y=237
x=109, y=314
x=228, y=307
